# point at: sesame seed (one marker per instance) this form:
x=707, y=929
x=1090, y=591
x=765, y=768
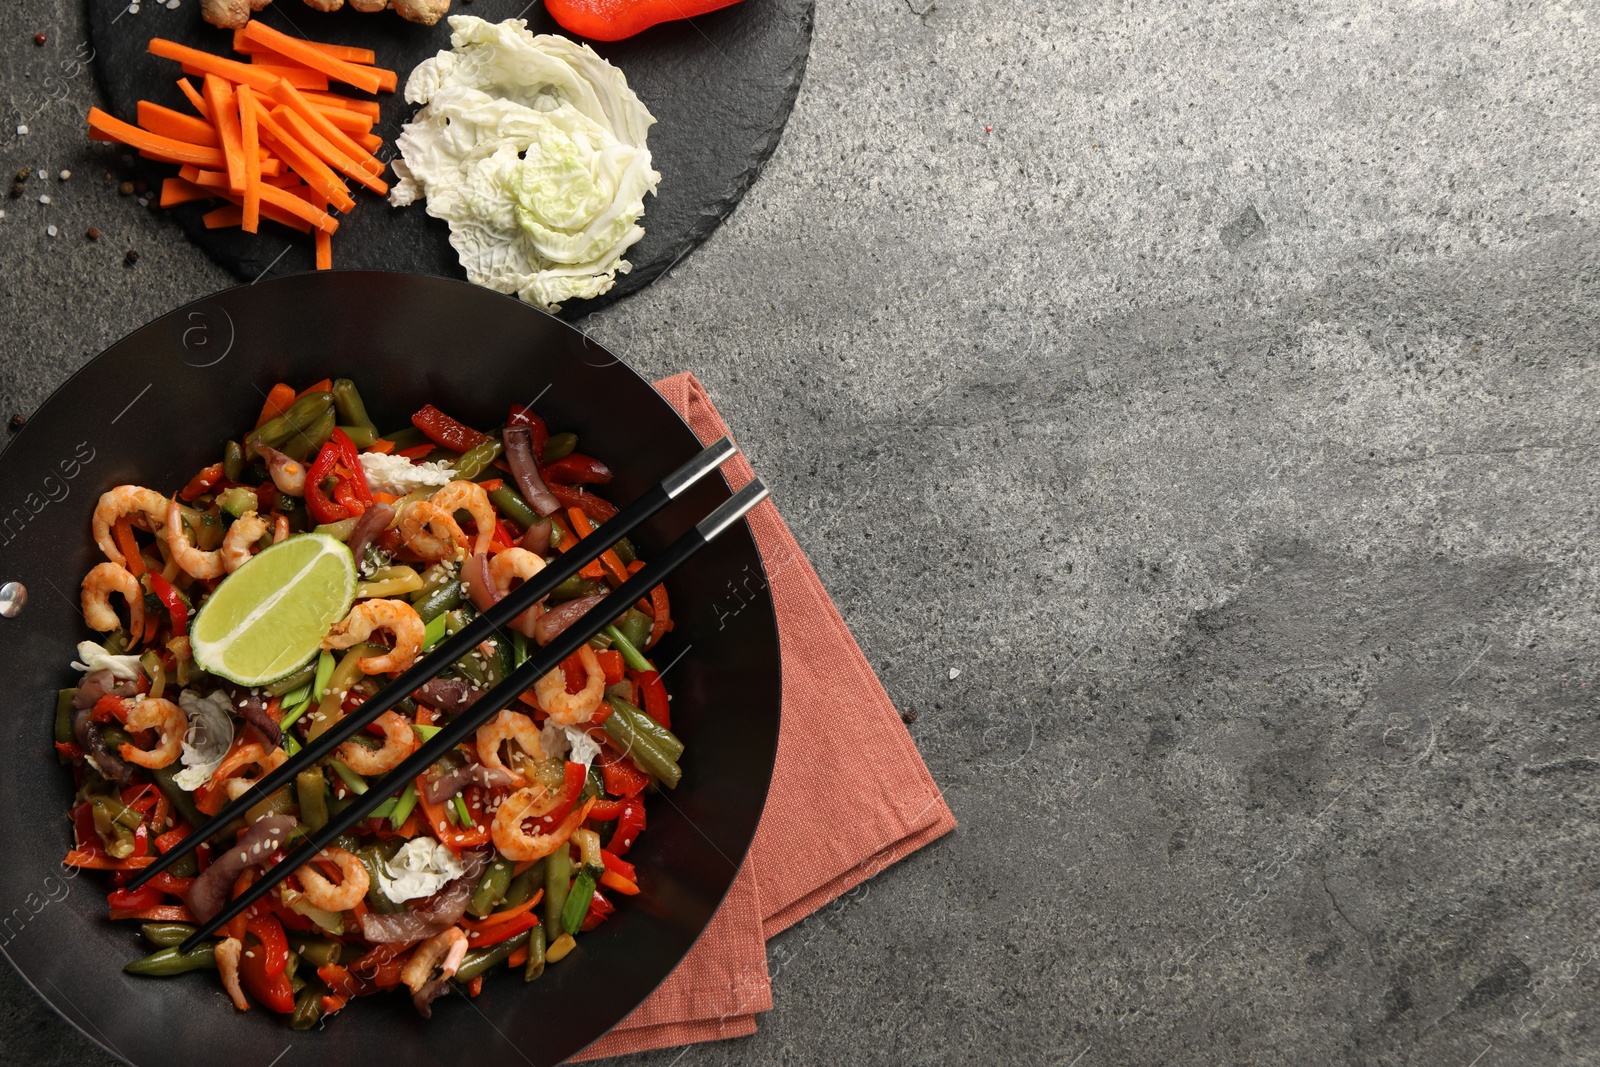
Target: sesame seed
x=65, y=175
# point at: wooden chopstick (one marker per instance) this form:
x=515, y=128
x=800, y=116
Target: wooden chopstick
x=453, y=648
x=492, y=703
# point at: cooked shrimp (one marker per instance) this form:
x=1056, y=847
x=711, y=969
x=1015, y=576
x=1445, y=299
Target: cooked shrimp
x=352, y=885
x=442, y=952
x=515, y=843
x=396, y=616
x=133, y=502
x=470, y=497
x=227, y=955
x=431, y=532
x=511, y=563
x=280, y=529
x=246, y=530
x=170, y=723
x=398, y=742
x=573, y=709
x=195, y=563
x=102, y=580
x=265, y=760
x=508, y=726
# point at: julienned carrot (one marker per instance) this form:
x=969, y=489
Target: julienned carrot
x=369, y=79
x=244, y=45
x=331, y=155
x=223, y=217
x=280, y=398
x=360, y=107
x=316, y=387
x=177, y=125
x=324, y=243
x=196, y=61
x=351, y=122
x=305, y=79
x=176, y=191
x=249, y=135
x=225, y=117
x=284, y=181
x=271, y=196
x=297, y=103
x=195, y=99
x=302, y=160
x=158, y=147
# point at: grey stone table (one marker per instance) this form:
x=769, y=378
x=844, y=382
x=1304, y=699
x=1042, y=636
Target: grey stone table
x=1192, y=409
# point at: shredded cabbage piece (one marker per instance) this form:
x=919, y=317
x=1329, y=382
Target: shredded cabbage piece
x=533, y=149
x=420, y=869
x=567, y=742
x=95, y=658
x=206, y=742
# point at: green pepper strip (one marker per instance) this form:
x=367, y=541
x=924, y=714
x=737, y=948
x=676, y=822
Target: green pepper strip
x=632, y=655
x=434, y=605
x=312, y=789
x=64, y=711
x=289, y=683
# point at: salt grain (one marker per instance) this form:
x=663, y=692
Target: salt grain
x=44, y=199
x=22, y=130
x=955, y=672
x=51, y=230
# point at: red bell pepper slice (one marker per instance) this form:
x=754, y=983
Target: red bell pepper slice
x=621, y=777
x=351, y=495
x=653, y=691
x=630, y=824
x=274, y=945
x=173, y=601
x=201, y=482
x=617, y=865
x=272, y=991
x=135, y=899
x=445, y=431
x=597, y=509
x=503, y=931
x=575, y=468
x=110, y=707
x=611, y=662
x=599, y=910
x=456, y=838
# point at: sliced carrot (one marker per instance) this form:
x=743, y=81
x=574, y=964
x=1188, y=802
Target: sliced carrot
x=382, y=498
x=249, y=136
x=175, y=191
x=245, y=46
x=280, y=398
x=383, y=446
x=197, y=62
x=177, y=125
x=122, y=533
x=317, y=387
x=224, y=217
x=331, y=154
x=157, y=147
x=369, y=79
x=361, y=107
x=296, y=102
x=351, y=122
x=324, y=244
x=272, y=198
x=285, y=181
x=225, y=117
x=517, y=958
x=195, y=99
x=302, y=160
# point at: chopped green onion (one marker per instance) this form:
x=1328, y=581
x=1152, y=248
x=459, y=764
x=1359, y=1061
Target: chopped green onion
x=433, y=633
x=384, y=810
x=296, y=695
x=519, y=649
x=631, y=655
x=319, y=684
x=427, y=733
x=290, y=745
x=357, y=784
x=293, y=714
x=577, y=905
x=403, y=806
x=464, y=816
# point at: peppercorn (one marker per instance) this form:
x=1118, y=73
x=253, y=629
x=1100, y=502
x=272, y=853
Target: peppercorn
x=93, y=233
x=125, y=189
x=23, y=173
x=17, y=189
x=18, y=421
x=909, y=717
x=39, y=39
x=131, y=258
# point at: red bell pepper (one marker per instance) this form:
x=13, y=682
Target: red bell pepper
x=538, y=432
x=456, y=838
x=654, y=694
x=262, y=966
x=110, y=707
x=201, y=482
x=630, y=824
x=599, y=910
x=274, y=945
x=445, y=431
x=351, y=495
x=611, y=662
x=503, y=931
x=612, y=20
x=135, y=899
x=597, y=509
x=172, y=600
x=621, y=777
x=575, y=468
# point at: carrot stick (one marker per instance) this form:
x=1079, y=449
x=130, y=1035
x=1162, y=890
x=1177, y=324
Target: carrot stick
x=177, y=125
x=305, y=79
x=302, y=160
x=249, y=136
x=360, y=107
x=122, y=534
x=280, y=398
x=335, y=158
x=163, y=148
x=197, y=62
x=366, y=78
x=296, y=102
x=197, y=101
x=223, y=217
x=284, y=181
x=351, y=122
x=245, y=46
x=225, y=117
x=324, y=250
x=175, y=191
x=271, y=198
x=317, y=387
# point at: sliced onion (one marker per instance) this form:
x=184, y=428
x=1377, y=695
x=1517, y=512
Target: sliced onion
x=558, y=618
x=537, y=538
x=426, y=917
x=449, y=694
x=519, y=455
x=448, y=785
x=475, y=580
x=372, y=522
x=289, y=475
x=254, y=709
x=255, y=846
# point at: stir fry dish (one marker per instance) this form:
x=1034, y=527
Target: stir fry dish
x=283, y=585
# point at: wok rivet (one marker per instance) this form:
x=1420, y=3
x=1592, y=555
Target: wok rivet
x=13, y=595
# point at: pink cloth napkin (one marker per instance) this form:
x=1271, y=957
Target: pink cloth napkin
x=814, y=842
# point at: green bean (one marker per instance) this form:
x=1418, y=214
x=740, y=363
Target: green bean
x=307, y=1008
x=317, y=951
x=559, y=446
x=339, y=531
x=352, y=411
x=169, y=961
x=445, y=598
x=659, y=735
x=312, y=789
x=511, y=503
x=64, y=710
x=577, y=905
x=643, y=752
x=408, y=437
x=625, y=550
x=475, y=459
x=278, y=803
x=166, y=935
x=576, y=587
x=491, y=888
x=524, y=885
x=629, y=650
x=290, y=682
x=360, y=436
x=557, y=883
x=233, y=461
x=535, y=965
x=304, y=444
x=480, y=960
x=635, y=626
x=302, y=415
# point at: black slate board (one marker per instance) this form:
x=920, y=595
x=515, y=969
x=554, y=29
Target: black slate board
x=720, y=86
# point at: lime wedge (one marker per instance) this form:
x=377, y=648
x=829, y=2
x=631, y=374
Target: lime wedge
x=269, y=616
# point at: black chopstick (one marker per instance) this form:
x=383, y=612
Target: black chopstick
x=453, y=648
x=493, y=702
